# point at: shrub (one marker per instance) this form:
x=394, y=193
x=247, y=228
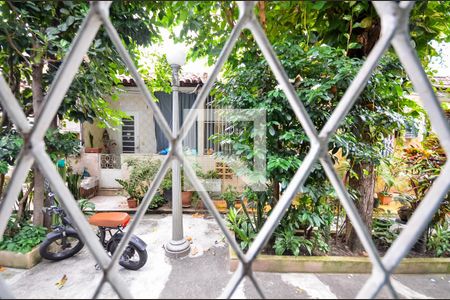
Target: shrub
x=25, y=240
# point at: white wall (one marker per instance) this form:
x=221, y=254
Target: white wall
x=132, y=102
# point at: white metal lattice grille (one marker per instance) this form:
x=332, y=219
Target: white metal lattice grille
x=394, y=19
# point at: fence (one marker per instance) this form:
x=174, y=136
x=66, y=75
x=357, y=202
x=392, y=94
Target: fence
x=394, y=19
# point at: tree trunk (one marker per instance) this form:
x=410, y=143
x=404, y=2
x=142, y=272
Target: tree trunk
x=39, y=189
x=2, y=183
x=364, y=186
x=276, y=190
x=262, y=14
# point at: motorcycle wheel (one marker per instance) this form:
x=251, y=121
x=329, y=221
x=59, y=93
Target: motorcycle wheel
x=132, y=258
x=60, y=247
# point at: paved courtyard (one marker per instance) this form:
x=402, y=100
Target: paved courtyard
x=203, y=274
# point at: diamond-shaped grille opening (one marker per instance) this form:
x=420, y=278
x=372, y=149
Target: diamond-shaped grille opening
x=394, y=19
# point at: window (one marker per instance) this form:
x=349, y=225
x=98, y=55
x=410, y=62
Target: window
x=128, y=135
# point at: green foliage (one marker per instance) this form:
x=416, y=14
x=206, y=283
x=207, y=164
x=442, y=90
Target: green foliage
x=73, y=183
x=166, y=184
x=423, y=165
x=87, y=207
x=10, y=145
x=386, y=170
x=26, y=239
x=350, y=25
x=142, y=174
x=230, y=195
x=58, y=144
x=326, y=74
x=308, y=222
x=320, y=77
x=42, y=34
x=287, y=241
x=439, y=241
x=158, y=200
x=381, y=234
x=61, y=144
x=242, y=226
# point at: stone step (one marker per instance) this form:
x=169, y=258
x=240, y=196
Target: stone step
x=109, y=192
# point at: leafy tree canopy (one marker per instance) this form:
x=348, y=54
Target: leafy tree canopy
x=41, y=33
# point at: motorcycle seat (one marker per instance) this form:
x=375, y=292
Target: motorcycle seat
x=110, y=219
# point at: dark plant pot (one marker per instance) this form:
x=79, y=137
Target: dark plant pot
x=404, y=213
x=421, y=244
x=167, y=194
x=186, y=198
x=132, y=203
x=199, y=204
x=92, y=150
x=376, y=203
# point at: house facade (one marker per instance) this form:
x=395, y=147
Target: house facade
x=141, y=137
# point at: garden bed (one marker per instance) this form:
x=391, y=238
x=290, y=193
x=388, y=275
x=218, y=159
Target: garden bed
x=340, y=264
x=341, y=261
x=20, y=260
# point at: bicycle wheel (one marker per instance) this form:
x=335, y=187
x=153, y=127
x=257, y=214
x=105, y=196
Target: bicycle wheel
x=59, y=246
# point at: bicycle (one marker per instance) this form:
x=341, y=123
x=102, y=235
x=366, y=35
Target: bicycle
x=64, y=242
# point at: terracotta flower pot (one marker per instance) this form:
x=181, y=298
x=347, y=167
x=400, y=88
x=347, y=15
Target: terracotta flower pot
x=92, y=150
x=385, y=199
x=186, y=197
x=132, y=203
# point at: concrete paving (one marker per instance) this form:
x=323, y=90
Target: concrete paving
x=203, y=274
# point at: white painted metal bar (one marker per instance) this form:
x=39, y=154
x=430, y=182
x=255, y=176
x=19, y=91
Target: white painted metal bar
x=283, y=80
x=115, y=38
x=146, y=201
x=357, y=86
x=283, y=204
x=409, y=59
x=12, y=107
x=252, y=277
x=71, y=208
x=206, y=89
x=352, y=212
x=415, y=227
x=66, y=74
x=20, y=173
x=234, y=282
x=99, y=287
x=190, y=173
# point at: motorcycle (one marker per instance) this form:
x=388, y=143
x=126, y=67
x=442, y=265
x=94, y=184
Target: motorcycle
x=64, y=242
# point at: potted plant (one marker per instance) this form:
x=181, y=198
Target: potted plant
x=385, y=197
x=130, y=188
x=385, y=170
x=166, y=187
x=230, y=195
x=141, y=175
x=186, y=193
x=91, y=149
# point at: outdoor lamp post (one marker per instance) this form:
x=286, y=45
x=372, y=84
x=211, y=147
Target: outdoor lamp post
x=178, y=246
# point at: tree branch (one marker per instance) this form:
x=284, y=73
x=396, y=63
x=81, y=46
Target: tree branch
x=13, y=45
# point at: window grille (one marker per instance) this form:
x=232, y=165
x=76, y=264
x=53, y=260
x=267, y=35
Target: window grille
x=128, y=135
